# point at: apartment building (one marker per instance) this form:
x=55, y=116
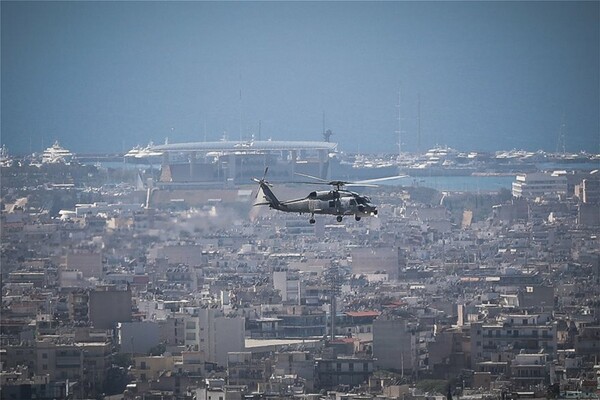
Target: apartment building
x=209, y=331
x=539, y=184
x=501, y=340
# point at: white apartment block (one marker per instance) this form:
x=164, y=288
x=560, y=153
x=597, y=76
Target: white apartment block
x=209, y=331
x=539, y=184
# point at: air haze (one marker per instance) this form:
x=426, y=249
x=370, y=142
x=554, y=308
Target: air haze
x=105, y=76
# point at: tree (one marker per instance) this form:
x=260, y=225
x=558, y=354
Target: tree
x=158, y=350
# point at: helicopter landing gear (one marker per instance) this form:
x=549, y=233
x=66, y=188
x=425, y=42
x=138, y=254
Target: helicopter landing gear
x=312, y=219
x=339, y=218
x=356, y=217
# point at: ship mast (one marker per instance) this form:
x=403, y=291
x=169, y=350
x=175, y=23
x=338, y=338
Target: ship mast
x=399, y=131
x=419, y=123
x=561, y=143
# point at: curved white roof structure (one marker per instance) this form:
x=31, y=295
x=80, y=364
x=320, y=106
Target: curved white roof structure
x=261, y=145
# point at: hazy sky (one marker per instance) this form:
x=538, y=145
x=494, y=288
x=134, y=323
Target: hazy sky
x=105, y=76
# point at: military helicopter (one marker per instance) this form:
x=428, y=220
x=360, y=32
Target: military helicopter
x=337, y=201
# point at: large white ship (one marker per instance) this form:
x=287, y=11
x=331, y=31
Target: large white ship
x=56, y=154
x=145, y=155
x=5, y=160
x=441, y=161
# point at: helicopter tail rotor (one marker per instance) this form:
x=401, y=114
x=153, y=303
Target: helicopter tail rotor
x=268, y=195
x=262, y=182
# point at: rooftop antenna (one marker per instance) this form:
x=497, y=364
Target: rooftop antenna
x=333, y=279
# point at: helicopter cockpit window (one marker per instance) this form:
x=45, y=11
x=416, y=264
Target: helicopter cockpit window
x=363, y=200
x=312, y=195
x=352, y=202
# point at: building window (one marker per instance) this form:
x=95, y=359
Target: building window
x=44, y=355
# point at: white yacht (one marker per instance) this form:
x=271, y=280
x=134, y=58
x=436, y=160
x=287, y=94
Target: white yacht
x=143, y=154
x=5, y=160
x=56, y=155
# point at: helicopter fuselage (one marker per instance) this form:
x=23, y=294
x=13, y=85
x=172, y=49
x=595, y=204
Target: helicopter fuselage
x=331, y=202
x=338, y=201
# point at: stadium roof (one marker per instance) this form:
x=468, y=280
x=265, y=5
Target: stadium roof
x=264, y=145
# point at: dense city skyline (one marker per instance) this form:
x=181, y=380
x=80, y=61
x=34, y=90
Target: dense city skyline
x=105, y=76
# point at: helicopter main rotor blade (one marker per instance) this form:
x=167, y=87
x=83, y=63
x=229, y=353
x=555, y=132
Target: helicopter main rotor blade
x=308, y=183
x=358, y=184
x=386, y=178
x=312, y=177
x=339, y=184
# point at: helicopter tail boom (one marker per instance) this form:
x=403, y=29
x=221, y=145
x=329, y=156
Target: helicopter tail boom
x=270, y=199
